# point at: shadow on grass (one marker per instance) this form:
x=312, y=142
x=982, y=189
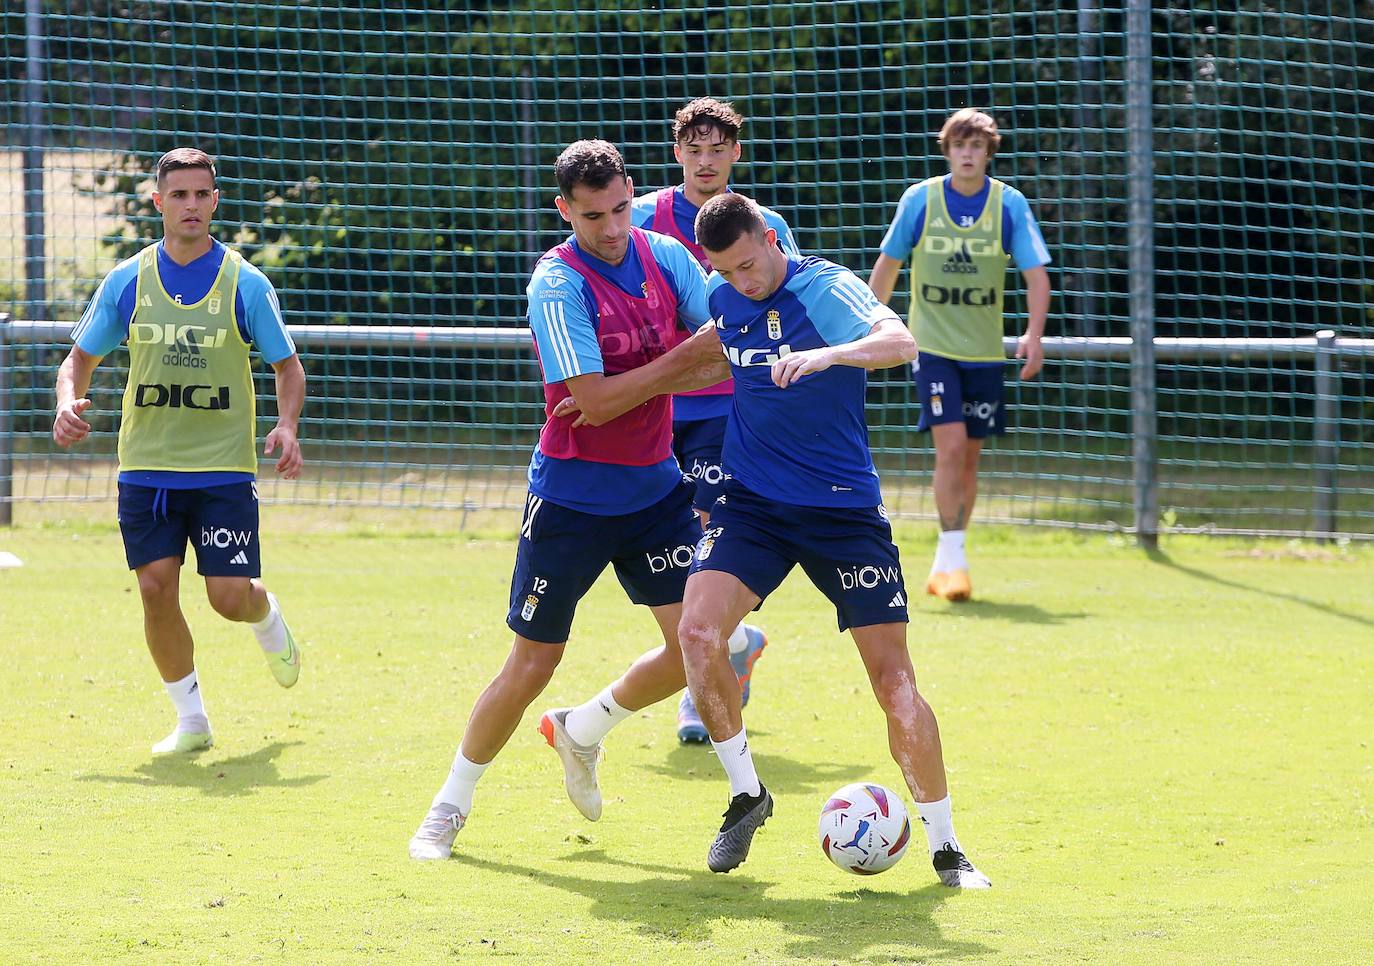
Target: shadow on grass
x=982, y=608
x=1162, y=558
x=225, y=777
x=783, y=776
x=688, y=905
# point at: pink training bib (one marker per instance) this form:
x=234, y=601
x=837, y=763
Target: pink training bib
x=632, y=332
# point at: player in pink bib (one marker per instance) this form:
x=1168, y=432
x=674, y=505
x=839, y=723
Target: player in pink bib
x=604, y=486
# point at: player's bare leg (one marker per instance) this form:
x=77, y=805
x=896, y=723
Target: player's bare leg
x=528, y=669
x=173, y=652
x=913, y=738
x=247, y=601
x=955, y=487
x=714, y=604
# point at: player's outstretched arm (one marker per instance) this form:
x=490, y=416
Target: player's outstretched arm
x=73, y=379
x=693, y=364
x=883, y=279
x=1028, y=347
x=888, y=343
x=290, y=402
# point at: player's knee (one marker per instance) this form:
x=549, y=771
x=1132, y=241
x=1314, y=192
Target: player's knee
x=953, y=453
x=533, y=667
x=158, y=590
x=698, y=639
x=230, y=601
x=895, y=688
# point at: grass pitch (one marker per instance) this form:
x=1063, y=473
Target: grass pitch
x=1157, y=759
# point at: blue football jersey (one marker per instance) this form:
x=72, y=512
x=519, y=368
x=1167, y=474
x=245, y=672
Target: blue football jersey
x=807, y=444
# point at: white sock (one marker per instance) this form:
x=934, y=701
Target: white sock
x=738, y=640
x=462, y=779
x=589, y=723
x=938, y=820
x=949, y=552
x=738, y=763
x=185, y=694
x=271, y=631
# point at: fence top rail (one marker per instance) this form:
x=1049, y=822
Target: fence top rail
x=484, y=337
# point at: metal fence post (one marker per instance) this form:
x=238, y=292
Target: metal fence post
x=1140, y=231
x=35, y=138
x=1325, y=434
x=6, y=438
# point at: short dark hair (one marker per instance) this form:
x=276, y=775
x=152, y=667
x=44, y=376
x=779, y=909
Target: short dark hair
x=726, y=217
x=591, y=163
x=704, y=115
x=180, y=159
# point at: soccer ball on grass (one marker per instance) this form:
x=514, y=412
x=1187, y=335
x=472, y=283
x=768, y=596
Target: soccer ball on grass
x=864, y=828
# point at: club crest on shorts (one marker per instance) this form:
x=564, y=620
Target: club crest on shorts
x=937, y=406
x=774, y=324
x=527, y=612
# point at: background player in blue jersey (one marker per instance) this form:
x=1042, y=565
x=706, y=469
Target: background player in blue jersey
x=706, y=144
x=959, y=230
x=190, y=309
x=800, y=335
x=604, y=486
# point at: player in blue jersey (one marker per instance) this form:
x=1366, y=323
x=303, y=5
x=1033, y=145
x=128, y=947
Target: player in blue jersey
x=959, y=230
x=604, y=486
x=706, y=144
x=800, y=335
x=190, y=309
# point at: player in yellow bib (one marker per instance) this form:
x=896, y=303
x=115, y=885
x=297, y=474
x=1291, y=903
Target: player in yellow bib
x=190, y=310
x=959, y=231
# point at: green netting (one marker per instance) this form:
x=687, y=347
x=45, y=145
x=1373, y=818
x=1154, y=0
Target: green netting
x=391, y=165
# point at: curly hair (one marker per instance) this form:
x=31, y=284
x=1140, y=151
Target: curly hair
x=704, y=115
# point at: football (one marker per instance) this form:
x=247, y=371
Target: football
x=864, y=828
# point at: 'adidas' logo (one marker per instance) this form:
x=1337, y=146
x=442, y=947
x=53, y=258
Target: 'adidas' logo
x=898, y=600
x=240, y=558
x=960, y=262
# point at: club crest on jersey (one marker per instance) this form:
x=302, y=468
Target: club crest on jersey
x=774, y=325
x=527, y=612
x=216, y=300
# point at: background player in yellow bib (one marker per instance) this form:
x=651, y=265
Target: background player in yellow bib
x=190, y=309
x=959, y=231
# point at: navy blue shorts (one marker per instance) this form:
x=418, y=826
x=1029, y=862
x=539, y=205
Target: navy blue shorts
x=220, y=521
x=951, y=390
x=846, y=551
x=697, y=444
x=562, y=552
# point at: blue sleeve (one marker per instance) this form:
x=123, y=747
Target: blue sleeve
x=685, y=275
x=776, y=222
x=103, y=326
x=642, y=210
x=1028, y=248
x=907, y=225
x=563, y=329
x=262, y=314
x=841, y=307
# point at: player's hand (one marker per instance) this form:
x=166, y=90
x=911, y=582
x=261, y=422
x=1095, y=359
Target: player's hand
x=794, y=365
x=567, y=407
x=1028, y=347
x=69, y=428
x=289, y=463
